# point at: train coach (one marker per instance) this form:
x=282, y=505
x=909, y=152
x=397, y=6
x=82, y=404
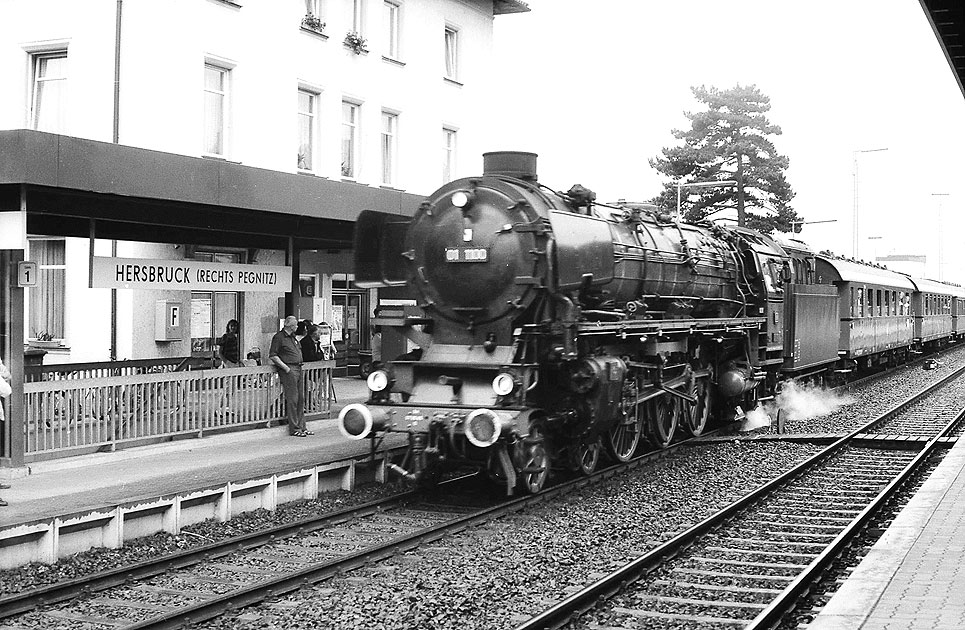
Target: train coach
x=552, y=328
x=875, y=307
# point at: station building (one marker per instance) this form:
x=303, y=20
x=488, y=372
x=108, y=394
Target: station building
x=217, y=133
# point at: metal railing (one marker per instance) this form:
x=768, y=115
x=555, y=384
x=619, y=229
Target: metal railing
x=99, y=369
x=66, y=415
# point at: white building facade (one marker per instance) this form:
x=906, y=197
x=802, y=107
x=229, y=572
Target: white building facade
x=247, y=81
x=377, y=100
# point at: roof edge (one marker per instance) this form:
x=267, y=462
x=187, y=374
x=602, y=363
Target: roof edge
x=505, y=7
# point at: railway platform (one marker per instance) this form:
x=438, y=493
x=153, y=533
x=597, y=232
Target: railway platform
x=913, y=578
x=104, y=499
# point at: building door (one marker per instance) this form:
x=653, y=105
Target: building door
x=350, y=308
x=211, y=310
x=210, y=313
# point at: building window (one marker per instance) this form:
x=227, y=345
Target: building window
x=452, y=53
x=313, y=8
x=307, y=107
x=215, y=109
x=358, y=16
x=46, y=300
x=350, y=139
x=448, y=154
x=391, y=13
x=312, y=20
x=48, y=103
x=390, y=126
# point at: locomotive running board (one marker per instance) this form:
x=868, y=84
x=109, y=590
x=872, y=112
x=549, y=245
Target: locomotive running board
x=724, y=325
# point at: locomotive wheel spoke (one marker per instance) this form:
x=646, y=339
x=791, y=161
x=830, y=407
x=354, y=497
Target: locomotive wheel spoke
x=622, y=439
x=662, y=417
x=536, y=463
x=589, y=456
x=695, y=417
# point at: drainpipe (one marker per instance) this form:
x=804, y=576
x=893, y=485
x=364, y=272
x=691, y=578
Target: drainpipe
x=114, y=310
x=117, y=72
x=116, y=138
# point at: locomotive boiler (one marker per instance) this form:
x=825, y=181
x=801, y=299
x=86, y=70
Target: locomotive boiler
x=551, y=327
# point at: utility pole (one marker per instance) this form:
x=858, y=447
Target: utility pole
x=940, y=239
x=854, y=236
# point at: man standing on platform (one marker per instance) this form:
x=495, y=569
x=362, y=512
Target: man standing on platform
x=286, y=354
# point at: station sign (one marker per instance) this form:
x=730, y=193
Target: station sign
x=188, y=275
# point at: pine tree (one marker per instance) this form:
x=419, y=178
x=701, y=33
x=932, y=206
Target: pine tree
x=729, y=141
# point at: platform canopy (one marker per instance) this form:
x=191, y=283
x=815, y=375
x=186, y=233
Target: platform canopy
x=135, y=194
x=947, y=19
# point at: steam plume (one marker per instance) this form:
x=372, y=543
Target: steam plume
x=796, y=402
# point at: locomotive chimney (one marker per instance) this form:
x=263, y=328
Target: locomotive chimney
x=518, y=164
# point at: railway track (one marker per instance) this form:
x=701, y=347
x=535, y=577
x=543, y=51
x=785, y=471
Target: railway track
x=205, y=582
x=747, y=565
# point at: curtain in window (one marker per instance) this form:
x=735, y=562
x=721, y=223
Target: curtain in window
x=50, y=93
x=214, y=106
x=451, y=53
x=388, y=148
x=390, y=12
x=47, y=298
x=306, y=113
x=357, y=16
x=448, y=153
x=349, y=112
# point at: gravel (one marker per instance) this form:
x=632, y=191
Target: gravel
x=538, y=556
x=824, y=411
x=102, y=559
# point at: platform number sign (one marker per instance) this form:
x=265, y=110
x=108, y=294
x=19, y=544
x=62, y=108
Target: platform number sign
x=27, y=274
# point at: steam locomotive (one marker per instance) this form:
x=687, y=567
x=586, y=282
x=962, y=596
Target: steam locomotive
x=551, y=327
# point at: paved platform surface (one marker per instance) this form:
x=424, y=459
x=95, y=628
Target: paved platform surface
x=77, y=484
x=913, y=578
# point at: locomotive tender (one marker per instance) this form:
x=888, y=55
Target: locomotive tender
x=552, y=327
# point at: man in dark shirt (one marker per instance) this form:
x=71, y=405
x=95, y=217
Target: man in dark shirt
x=311, y=349
x=286, y=354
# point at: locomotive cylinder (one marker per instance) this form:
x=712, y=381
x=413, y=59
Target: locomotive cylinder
x=736, y=381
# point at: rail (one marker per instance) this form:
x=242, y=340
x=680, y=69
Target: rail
x=307, y=571
x=574, y=605
x=66, y=416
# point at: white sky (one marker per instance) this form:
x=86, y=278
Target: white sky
x=595, y=89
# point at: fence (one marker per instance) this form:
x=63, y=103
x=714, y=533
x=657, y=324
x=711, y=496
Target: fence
x=98, y=369
x=65, y=415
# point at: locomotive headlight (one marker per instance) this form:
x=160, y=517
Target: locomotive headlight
x=461, y=198
x=378, y=380
x=504, y=384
